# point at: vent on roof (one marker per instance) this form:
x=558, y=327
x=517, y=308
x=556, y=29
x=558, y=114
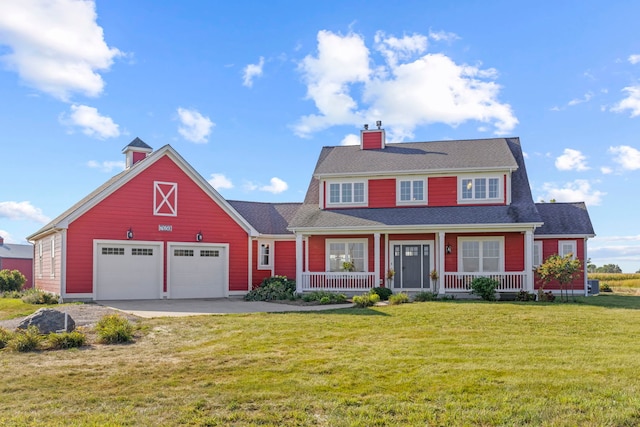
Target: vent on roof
x=372, y=139
x=134, y=152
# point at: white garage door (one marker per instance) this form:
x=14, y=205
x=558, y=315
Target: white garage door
x=128, y=270
x=197, y=271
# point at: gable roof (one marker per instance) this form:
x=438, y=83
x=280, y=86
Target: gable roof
x=267, y=218
x=408, y=157
x=506, y=153
x=564, y=219
x=138, y=143
x=63, y=220
x=16, y=251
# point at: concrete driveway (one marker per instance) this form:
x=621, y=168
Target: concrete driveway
x=196, y=307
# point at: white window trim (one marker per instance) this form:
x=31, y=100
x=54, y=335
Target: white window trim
x=573, y=243
x=328, y=242
x=400, y=202
x=171, y=194
x=40, y=268
x=53, y=257
x=500, y=240
x=537, y=244
x=345, y=204
x=268, y=266
x=473, y=200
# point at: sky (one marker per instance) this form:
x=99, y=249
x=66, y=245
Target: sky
x=249, y=91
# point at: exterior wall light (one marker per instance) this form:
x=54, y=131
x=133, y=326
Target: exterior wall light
x=199, y=236
x=129, y=233
x=448, y=248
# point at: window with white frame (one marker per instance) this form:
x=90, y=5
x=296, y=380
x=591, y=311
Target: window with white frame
x=411, y=191
x=347, y=193
x=481, y=254
x=480, y=189
x=537, y=253
x=264, y=255
x=40, y=259
x=566, y=247
x=346, y=255
x=53, y=257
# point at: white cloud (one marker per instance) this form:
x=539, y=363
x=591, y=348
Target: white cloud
x=107, y=165
x=586, y=98
x=252, y=71
x=219, y=181
x=571, y=160
x=576, y=191
x=606, y=170
x=22, y=211
x=8, y=238
x=55, y=46
x=634, y=59
x=249, y=186
x=350, y=139
x=631, y=102
x=410, y=89
x=276, y=186
x=627, y=157
x=443, y=36
x=91, y=122
x=195, y=127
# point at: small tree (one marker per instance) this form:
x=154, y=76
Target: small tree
x=561, y=269
x=11, y=280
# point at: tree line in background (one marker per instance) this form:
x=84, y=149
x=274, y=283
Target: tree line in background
x=607, y=268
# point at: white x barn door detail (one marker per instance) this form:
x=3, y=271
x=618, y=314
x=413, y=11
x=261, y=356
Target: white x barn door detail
x=165, y=198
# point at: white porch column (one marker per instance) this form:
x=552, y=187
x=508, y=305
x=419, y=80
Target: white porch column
x=376, y=260
x=440, y=263
x=299, y=261
x=528, y=260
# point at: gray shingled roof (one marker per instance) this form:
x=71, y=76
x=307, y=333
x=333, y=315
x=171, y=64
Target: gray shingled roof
x=267, y=218
x=15, y=251
x=505, y=152
x=479, y=154
x=564, y=218
x=138, y=143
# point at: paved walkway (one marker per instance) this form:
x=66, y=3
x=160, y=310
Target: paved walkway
x=195, y=307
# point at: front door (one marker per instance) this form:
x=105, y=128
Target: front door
x=412, y=264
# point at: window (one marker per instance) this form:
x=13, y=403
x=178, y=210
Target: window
x=480, y=189
x=53, y=257
x=40, y=259
x=183, y=252
x=537, y=254
x=346, y=193
x=264, y=255
x=481, y=254
x=351, y=251
x=209, y=253
x=112, y=251
x=566, y=247
x=411, y=191
x=144, y=251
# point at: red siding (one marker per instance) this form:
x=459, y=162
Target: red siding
x=373, y=140
x=443, y=191
x=550, y=247
x=382, y=193
x=132, y=206
x=24, y=266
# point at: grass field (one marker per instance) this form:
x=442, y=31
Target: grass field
x=433, y=363
x=625, y=284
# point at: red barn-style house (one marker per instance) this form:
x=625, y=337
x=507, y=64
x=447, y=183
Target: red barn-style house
x=424, y=216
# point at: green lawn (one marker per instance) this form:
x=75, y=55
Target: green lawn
x=13, y=307
x=434, y=363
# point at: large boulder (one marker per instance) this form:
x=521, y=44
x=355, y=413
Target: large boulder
x=49, y=320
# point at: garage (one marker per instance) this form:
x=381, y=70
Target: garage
x=197, y=271
x=128, y=270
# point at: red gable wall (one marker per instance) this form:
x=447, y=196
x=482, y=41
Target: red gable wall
x=132, y=206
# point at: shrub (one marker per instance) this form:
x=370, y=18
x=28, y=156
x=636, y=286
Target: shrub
x=324, y=297
x=273, y=288
x=38, y=296
x=11, y=294
x=525, y=296
x=11, y=280
x=383, y=293
x=605, y=288
x=64, y=340
x=366, y=300
x=25, y=340
x=400, y=298
x=546, y=296
x=425, y=296
x=113, y=329
x=485, y=288
x=5, y=336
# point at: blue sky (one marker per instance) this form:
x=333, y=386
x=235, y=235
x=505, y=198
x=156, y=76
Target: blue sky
x=248, y=93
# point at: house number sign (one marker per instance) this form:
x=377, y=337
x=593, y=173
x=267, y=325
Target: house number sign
x=162, y=227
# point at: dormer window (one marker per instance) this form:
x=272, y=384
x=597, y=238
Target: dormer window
x=346, y=193
x=480, y=189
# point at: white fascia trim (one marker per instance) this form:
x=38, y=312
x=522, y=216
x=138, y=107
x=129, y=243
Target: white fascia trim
x=563, y=236
x=279, y=237
x=430, y=172
x=422, y=228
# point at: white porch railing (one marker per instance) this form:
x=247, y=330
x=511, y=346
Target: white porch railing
x=338, y=281
x=461, y=282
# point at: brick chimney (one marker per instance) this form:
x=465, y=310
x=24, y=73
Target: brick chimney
x=372, y=139
x=134, y=152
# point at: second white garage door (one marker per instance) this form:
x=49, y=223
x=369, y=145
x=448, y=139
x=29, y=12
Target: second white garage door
x=197, y=271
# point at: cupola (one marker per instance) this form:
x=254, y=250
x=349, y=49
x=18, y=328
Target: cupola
x=134, y=152
x=372, y=139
